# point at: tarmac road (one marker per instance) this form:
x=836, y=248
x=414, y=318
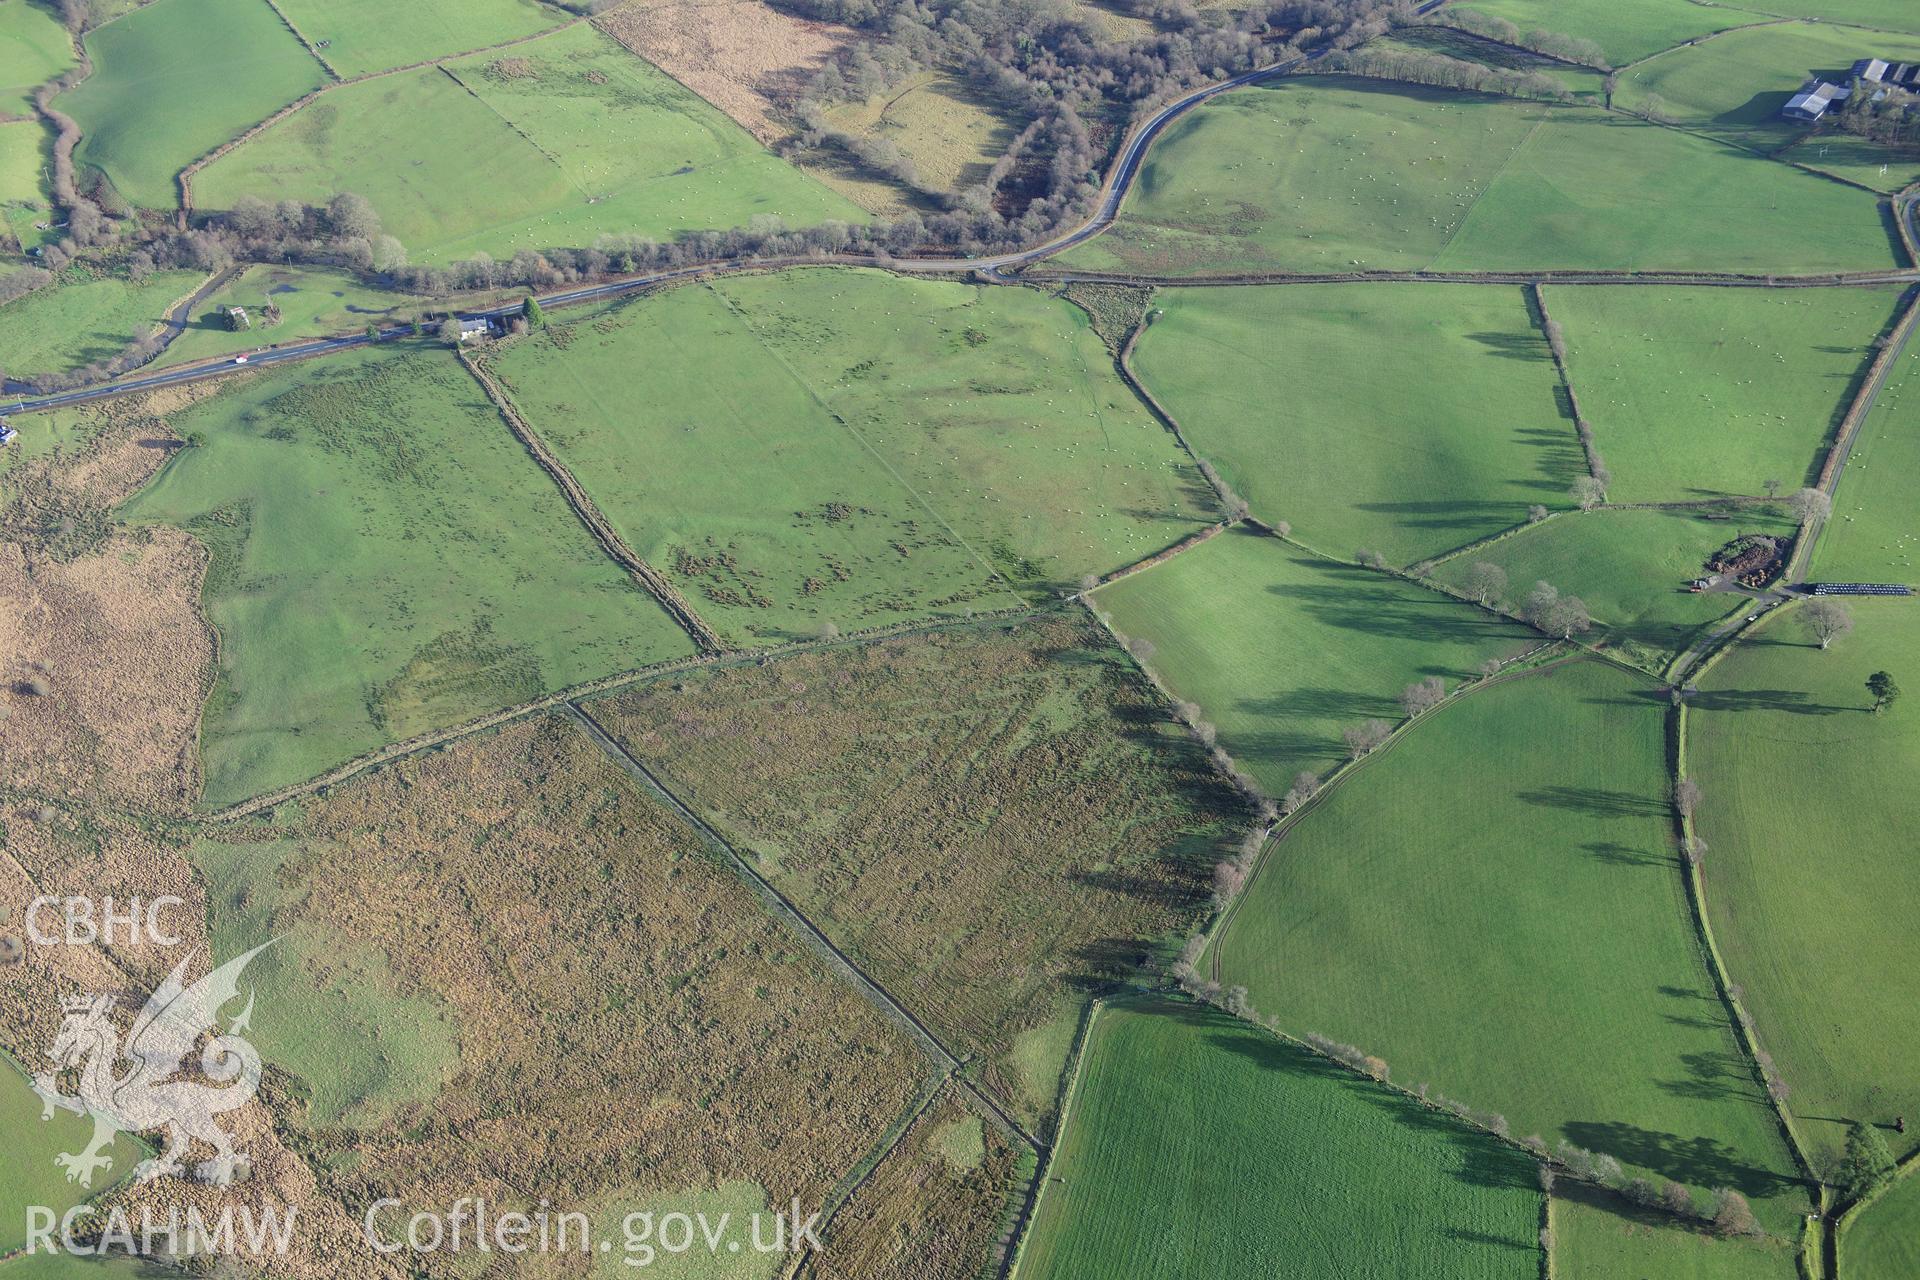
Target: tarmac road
x=1119, y=181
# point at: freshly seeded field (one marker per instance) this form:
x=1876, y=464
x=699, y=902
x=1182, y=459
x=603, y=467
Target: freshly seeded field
x=1200, y=1146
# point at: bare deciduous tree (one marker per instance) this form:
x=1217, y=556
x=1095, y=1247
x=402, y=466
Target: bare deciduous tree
x=1536, y=513
x=1810, y=504
x=1686, y=796
x=1485, y=583
x=1588, y=492
x=1304, y=785
x=1423, y=695
x=1732, y=1215
x=1362, y=738
x=1826, y=621
x=1370, y=558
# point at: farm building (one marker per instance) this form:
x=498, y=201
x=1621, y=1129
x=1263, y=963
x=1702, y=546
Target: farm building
x=1813, y=100
x=1817, y=96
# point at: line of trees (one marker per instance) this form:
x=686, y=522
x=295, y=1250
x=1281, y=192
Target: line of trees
x=1420, y=67
x=1551, y=43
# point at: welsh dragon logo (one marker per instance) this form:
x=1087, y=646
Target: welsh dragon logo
x=156, y=1088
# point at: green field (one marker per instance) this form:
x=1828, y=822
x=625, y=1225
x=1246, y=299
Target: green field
x=1626, y=29
x=553, y=142
x=23, y=158
x=1896, y=15
x=1333, y=174
x=1198, y=1146
x=773, y=516
x=1703, y=392
x=1868, y=163
x=362, y=36
x=67, y=325
x=314, y=303
x=386, y=560
x=880, y=447
x=177, y=78
x=1283, y=650
x=28, y=1174
x=330, y=1010
x=1733, y=87
x=34, y=48
x=1406, y=419
x=1813, y=922
x=1598, y=1236
x=1631, y=567
x=1495, y=908
x=1873, y=535
x=1884, y=1243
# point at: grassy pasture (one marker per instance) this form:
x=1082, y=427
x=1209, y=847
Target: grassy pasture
x=386, y=560
x=175, y=79
x=1627, y=29
x=550, y=143
x=938, y=123
x=23, y=154
x=993, y=822
x=314, y=302
x=1585, y=83
x=1199, y=1146
x=1884, y=1242
x=1868, y=163
x=1283, y=650
x=1333, y=174
x=28, y=1174
x=34, y=48
x=1703, y=392
x=1521, y=938
x=1873, y=536
x=772, y=515
x=935, y=446
x=1454, y=429
x=691, y=1025
x=1893, y=15
x=1815, y=925
x=362, y=36
x=67, y=325
x=1632, y=569
x=1598, y=1236
x=1734, y=85
x=998, y=407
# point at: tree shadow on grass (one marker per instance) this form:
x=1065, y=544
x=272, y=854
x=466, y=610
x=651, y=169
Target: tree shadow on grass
x=1514, y=346
x=1700, y=1162
x=1621, y=855
x=1713, y=1076
x=1483, y=1162
x=1792, y=701
x=1596, y=802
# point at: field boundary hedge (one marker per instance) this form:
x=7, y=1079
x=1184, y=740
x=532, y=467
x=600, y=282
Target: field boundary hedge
x=649, y=579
